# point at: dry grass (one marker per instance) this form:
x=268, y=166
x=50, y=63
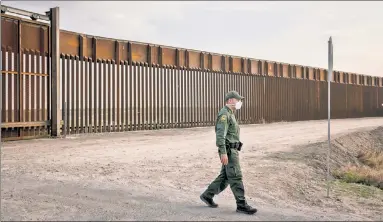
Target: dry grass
x=369, y=172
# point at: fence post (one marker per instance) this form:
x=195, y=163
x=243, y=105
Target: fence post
x=55, y=78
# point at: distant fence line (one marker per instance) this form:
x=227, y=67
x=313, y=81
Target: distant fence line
x=105, y=85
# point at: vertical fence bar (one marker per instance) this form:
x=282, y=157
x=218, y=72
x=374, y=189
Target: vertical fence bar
x=162, y=91
x=187, y=96
x=91, y=78
x=20, y=85
x=151, y=95
x=27, y=88
x=180, y=100
x=119, y=85
x=33, y=77
x=105, y=93
x=16, y=91
x=211, y=97
x=114, y=85
x=101, y=72
x=81, y=95
x=146, y=90
x=110, y=91
x=130, y=85
x=3, y=81
x=182, y=105
x=139, y=93
x=63, y=98
x=178, y=76
x=128, y=95
x=96, y=96
x=201, y=97
x=39, y=78
x=205, y=97
x=165, y=97
x=93, y=105
x=121, y=95
x=72, y=93
x=134, y=85
x=76, y=88
x=195, y=97
x=170, y=97
x=55, y=74
x=185, y=110
x=158, y=96
x=87, y=95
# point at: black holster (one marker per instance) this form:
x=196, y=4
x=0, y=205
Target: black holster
x=237, y=146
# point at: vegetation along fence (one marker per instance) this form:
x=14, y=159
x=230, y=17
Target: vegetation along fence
x=57, y=82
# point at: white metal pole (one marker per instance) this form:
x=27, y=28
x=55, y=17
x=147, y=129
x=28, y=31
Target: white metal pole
x=329, y=77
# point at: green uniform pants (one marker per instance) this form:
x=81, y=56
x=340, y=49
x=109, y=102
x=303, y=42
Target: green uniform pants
x=230, y=175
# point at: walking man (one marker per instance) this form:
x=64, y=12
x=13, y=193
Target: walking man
x=228, y=143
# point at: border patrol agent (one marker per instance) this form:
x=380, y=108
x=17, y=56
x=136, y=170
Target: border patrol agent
x=228, y=143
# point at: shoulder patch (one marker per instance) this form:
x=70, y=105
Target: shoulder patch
x=223, y=118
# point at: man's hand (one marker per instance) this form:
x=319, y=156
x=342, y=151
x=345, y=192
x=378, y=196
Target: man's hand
x=224, y=159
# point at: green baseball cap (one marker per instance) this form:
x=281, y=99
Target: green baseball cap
x=233, y=94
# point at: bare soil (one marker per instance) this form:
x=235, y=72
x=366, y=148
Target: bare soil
x=159, y=175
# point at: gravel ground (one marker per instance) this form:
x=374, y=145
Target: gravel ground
x=159, y=175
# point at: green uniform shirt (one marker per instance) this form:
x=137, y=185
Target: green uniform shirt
x=226, y=129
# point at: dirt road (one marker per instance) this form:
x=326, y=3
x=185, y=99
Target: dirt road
x=158, y=175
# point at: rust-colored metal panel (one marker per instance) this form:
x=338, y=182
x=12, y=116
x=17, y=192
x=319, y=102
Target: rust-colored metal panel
x=139, y=52
x=123, y=51
x=31, y=38
x=260, y=67
x=154, y=54
x=237, y=68
x=194, y=59
x=285, y=70
x=311, y=72
x=264, y=67
x=245, y=66
x=217, y=62
x=322, y=76
x=254, y=67
x=298, y=71
x=88, y=44
x=279, y=67
x=9, y=33
x=340, y=77
x=269, y=65
x=169, y=56
x=206, y=61
x=182, y=58
x=69, y=43
x=305, y=72
x=227, y=63
x=106, y=49
x=82, y=50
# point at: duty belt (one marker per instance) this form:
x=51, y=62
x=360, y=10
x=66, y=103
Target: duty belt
x=236, y=145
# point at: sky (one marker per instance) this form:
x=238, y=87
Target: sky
x=290, y=32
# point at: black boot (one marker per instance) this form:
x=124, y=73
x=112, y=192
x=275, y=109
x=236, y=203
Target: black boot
x=208, y=201
x=246, y=209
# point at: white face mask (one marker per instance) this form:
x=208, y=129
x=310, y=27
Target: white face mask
x=238, y=105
